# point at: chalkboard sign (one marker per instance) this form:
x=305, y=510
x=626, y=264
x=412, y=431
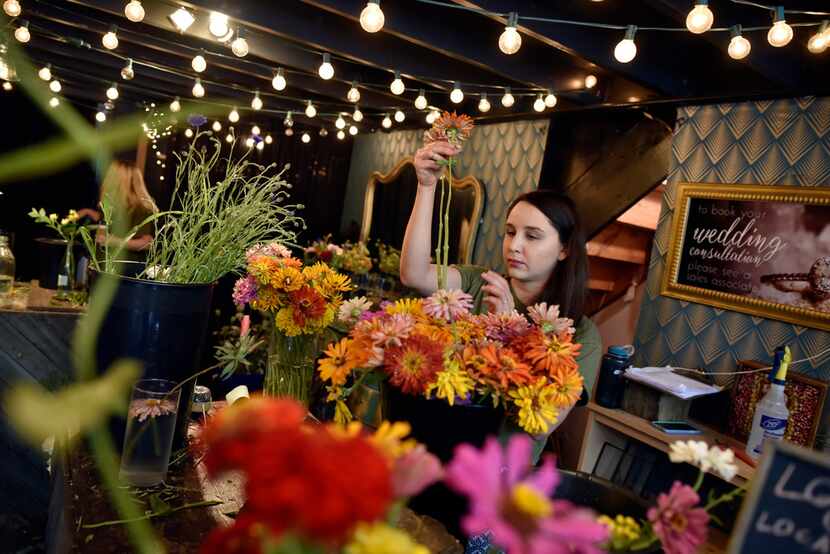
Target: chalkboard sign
x=787, y=510
x=761, y=250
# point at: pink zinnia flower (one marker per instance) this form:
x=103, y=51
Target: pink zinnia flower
x=504, y=326
x=414, y=471
x=680, y=526
x=244, y=291
x=391, y=330
x=143, y=408
x=514, y=503
x=547, y=317
x=271, y=249
x=448, y=305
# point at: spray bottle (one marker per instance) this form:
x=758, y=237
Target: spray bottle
x=771, y=413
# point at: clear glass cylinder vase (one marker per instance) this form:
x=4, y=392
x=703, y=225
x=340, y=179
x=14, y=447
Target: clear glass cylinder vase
x=290, y=367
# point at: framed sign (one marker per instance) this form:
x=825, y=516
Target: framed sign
x=787, y=509
x=756, y=249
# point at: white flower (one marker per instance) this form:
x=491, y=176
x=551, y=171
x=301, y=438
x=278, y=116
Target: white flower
x=352, y=309
x=722, y=461
x=693, y=452
x=548, y=318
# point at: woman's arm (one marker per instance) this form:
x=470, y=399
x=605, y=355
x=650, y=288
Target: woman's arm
x=417, y=271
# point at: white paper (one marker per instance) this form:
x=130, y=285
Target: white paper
x=665, y=379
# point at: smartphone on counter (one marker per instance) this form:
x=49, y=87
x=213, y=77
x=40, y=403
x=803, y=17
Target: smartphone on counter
x=671, y=427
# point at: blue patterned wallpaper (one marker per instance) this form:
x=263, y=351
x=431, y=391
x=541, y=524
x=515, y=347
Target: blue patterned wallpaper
x=781, y=142
x=505, y=157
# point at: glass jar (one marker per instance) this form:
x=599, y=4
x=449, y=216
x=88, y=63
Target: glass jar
x=6, y=266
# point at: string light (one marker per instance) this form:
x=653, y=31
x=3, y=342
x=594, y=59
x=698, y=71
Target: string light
x=306, y=138
x=396, y=86
x=353, y=95
x=590, y=81
x=268, y=139
x=289, y=132
x=218, y=24
x=456, y=96
x=7, y=86
x=353, y=130
x=233, y=117
x=421, y=101
x=700, y=18
x=484, y=104
x=818, y=42
x=326, y=70
x=229, y=136
x=181, y=19
x=101, y=115
x=12, y=8
x=278, y=82
x=55, y=86
x=260, y=146
x=357, y=115
x=188, y=133
x=780, y=34
x=539, y=104
x=323, y=132
x=289, y=120
x=256, y=103
x=249, y=142
x=175, y=105
x=310, y=110
x=199, y=63
x=112, y=92
x=239, y=46
x=22, y=33
x=198, y=89
x=510, y=40
x=127, y=72
x=45, y=72
x=110, y=38
x=217, y=126
x=507, y=100
x=134, y=11
x=432, y=116
x=340, y=123
x=255, y=130
x=739, y=47
x=341, y=135
x=386, y=123
x=550, y=100
x=626, y=50
x=54, y=102
x=371, y=17
x=399, y=116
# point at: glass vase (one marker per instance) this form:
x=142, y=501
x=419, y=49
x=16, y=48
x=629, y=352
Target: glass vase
x=290, y=367
x=66, y=271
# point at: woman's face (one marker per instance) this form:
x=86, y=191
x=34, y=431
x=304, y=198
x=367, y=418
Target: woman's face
x=531, y=245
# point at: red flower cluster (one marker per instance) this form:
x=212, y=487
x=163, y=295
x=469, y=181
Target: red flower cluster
x=299, y=479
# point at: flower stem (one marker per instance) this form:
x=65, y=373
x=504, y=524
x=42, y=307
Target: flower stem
x=725, y=498
x=446, y=221
x=699, y=481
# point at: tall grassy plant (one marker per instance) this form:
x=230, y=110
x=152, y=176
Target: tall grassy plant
x=217, y=220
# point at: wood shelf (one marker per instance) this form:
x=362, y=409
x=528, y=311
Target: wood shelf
x=642, y=430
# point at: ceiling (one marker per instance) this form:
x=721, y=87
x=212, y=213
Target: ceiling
x=431, y=45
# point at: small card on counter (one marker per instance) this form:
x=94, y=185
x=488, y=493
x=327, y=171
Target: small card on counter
x=665, y=379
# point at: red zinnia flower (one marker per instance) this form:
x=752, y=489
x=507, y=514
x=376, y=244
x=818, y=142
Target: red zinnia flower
x=413, y=364
x=308, y=304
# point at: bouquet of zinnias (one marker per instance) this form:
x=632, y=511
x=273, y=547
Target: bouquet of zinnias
x=303, y=299
x=435, y=347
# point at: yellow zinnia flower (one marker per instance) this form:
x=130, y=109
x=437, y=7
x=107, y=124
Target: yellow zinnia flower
x=342, y=414
x=451, y=383
x=338, y=362
x=390, y=439
x=411, y=306
x=288, y=279
x=334, y=283
x=536, y=406
x=380, y=538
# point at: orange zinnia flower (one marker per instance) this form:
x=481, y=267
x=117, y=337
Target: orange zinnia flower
x=567, y=387
x=413, y=365
x=495, y=366
x=450, y=127
x=340, y=360
x=548, y=353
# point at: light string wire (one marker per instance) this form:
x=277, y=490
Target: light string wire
x=759, y=370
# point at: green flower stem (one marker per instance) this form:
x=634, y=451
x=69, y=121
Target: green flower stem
x=728, y=497
x=200, y=504
x=699, y=481
x=446, y=221
x=442, y=282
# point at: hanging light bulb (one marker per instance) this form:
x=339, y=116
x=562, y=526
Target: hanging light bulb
x=198, y=63
x=289, y=120
x=127, y=72
x=700, y=18
x=260, y=146
x=739, y=47
x=278, y=82
x=310, y=110
x=112, y=92
x=432, y=116
x=306, y=138
x=233, y=117
x=353, y=130
x=818, y=42
x=340, y=123
x=45, y=72
x=55, y=86
x=218, y=24
x=249, y=142
x=510, y=40
x=239, y=46
x=387, y=122
x=326, y=70
x=323, y=132
x=550, y=100
x=399, y=116
x=181, y=19
x=371, y=17
x=7, y=86
x=357, y=115
x=268, y=139
x=12, y=8
x=188, y=133
x=626, y=50
x=780, y=34
x=54, y=102
x=539, y=104
x=110, y=38
x=255, y=130
x=22, y=33
x=256, y=102
x=456, y=96
x=134, y=11
x=484, y=104
x=289, y=132
x=175, y=105
x=101, y=115
x=507, y=100
x=217, y=126
x=590, y=81
x=421, y=101
x=198, y=89
x=397, y=86
x=229, y=137
x=341, y=135
x=353, y=95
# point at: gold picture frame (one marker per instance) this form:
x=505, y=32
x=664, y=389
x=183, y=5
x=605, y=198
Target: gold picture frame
x=701, y=228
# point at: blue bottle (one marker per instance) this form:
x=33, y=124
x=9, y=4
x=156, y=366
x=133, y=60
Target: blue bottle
x=611, y=383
